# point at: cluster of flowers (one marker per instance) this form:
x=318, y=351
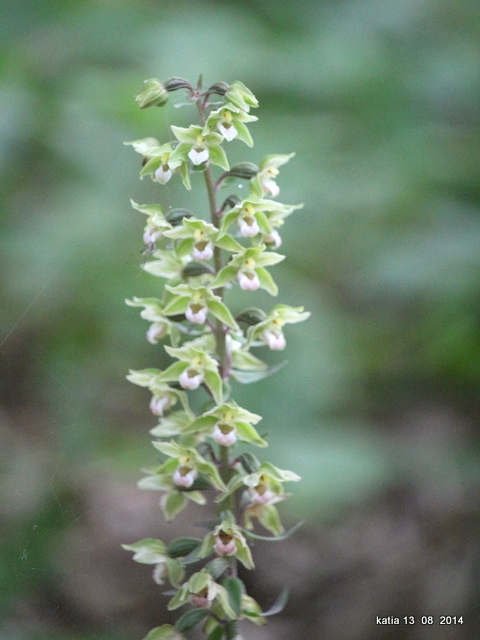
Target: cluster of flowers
x=209, y=346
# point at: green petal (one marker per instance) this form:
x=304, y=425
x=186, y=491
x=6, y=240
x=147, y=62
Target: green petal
x=266, y=281
x=218, y=157
x=222, y=312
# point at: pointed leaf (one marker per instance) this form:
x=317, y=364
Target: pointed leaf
x=225, y=275
x=243, y=133
x=249, y=434
x=176, y=572
x=176, y=306
x=234, y=587
x=182, y=546
x=190, y=619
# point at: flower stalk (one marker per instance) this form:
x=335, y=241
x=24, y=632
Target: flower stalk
x=210, y=349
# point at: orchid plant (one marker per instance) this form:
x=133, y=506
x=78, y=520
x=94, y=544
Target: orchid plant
x=200, y=261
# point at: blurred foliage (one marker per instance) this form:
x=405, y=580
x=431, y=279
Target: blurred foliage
x=381, y=103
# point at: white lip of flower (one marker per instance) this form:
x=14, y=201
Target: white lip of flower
x=224, y=547
x=163, y=174
x=198, y=156
x=158, y=404
x=196, y=313
x=248, y=280
x=159, y=572
x=273, y=238
x=264, y=495
x=190, y=378
x=184, y=477
x=224, y=434
x=156, y=332
x=228, y=131
x=248, y=227
x=200, y=601
x=202, y=250
x=151, y=235
x=276, y=341
x=271, y=186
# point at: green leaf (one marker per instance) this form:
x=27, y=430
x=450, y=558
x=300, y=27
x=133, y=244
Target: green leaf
x=183, y=134
x=217, y=633
x=190, y=619
x=214, y=383
x=173, y=503
x=224, y=600
x=266, y=281
x=182, y=546
x=235, y=589
x=263, y=223
x=165, y=632
x=222, y=312
x=217, y=156
x=217, y=567
x=247, y=377
x=287, y=534
x=244, y=555
x=151, y=166
x=210, y=470
x=246, y=361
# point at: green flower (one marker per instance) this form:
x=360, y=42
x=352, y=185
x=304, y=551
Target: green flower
x=158, y=161
x=270, y=329
x=153, y=312
x=199, y=147
x=264, y=182
x=264, y=488
x=227, y=540
x=203, y=592
x=156, y=225
x=248, y=268
x=152, y=551
x=196, y=303
x=229, y=121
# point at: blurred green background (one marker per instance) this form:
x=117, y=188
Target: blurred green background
x=378, y=407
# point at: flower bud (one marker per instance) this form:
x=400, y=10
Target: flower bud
x=224, y=434
x=158, y=404
x=196, y=313
x=154, y=94
x=184, y=477
x=248, y=280
x=202, y=250
x=190, y=378
x=173, y=84
x=176, y=216
x=276, y=341
x=156, y=332
x=219, y=88
x=244, y=170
